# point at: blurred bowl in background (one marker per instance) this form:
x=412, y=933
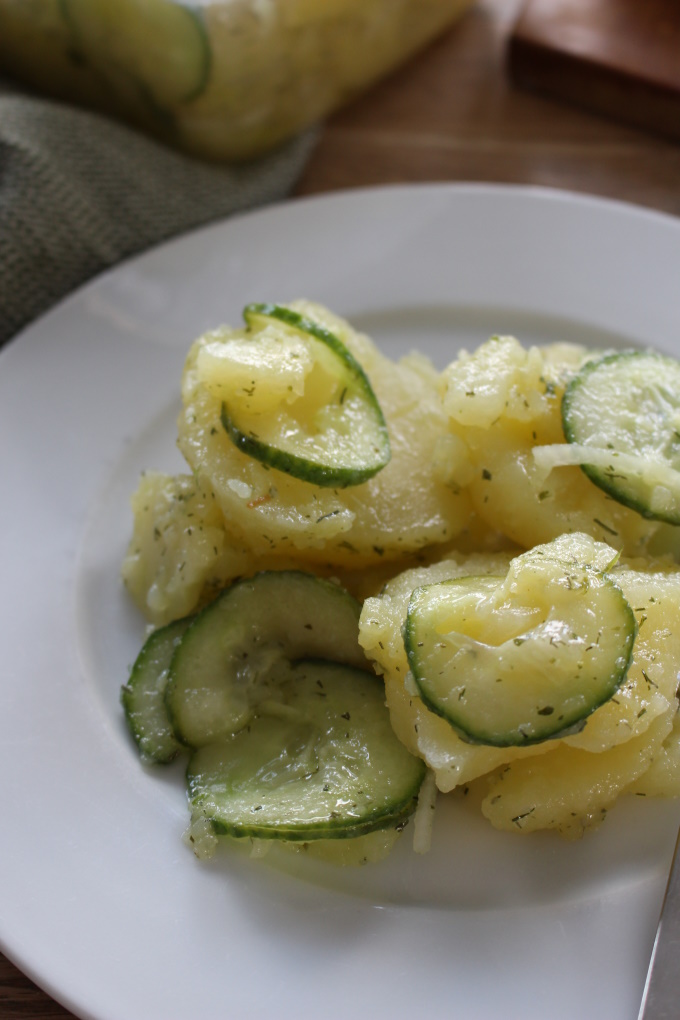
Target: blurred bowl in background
x=221, y=79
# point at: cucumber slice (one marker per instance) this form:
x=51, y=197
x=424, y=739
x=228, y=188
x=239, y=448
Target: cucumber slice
x=325, y=765
x=518, y=660
x=143, y=697
x=237, y=650
x=160, y=44
x=335, y=435
x=623, y=414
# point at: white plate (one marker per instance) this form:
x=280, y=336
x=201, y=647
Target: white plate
x=100, y=901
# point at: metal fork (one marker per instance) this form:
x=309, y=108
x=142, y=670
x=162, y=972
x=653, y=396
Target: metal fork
x=661, y=997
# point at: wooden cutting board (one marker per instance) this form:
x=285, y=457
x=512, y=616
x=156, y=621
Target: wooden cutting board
x=617, y=57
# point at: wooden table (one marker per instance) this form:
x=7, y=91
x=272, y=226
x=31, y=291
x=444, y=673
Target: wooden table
x=452, y=115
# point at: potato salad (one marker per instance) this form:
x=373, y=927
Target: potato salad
x=220, y=79
x=376, y=581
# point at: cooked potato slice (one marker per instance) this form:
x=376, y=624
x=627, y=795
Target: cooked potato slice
x=568, y=789
x=505, y=400
x=177, y=543
x=642, y=708
x=662, y=778
x=259, y=377
x=180, y=550
x=404, y=508
x=651, y=684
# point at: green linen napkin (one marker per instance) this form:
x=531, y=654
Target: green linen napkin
x=79, y=192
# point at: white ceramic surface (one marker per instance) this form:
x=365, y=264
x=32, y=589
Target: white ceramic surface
x=100, y=901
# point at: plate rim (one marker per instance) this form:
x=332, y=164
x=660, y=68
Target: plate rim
x=20, y=956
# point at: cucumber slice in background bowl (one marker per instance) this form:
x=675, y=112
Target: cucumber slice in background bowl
x=335, y=433
x=621, y=415
x=160, y=47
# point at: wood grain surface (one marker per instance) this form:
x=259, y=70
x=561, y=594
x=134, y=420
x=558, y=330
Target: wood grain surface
x=452, y=114
x=618, y=57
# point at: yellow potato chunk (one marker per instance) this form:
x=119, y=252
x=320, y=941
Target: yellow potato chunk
x=257, y=376
x=503, y=401
x=569, y=790
x=662, y=778
x=636, y=719
x=177, y=543
x=649, y=689
x=180, y=551
x=406, y=507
